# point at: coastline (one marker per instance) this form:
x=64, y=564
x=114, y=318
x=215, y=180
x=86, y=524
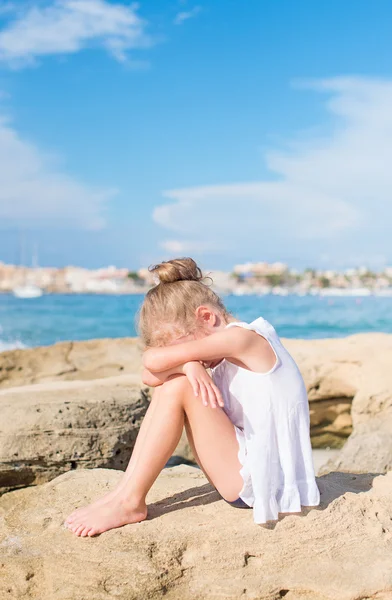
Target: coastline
x=247, y=279
x=235, y=291
x=332, y=371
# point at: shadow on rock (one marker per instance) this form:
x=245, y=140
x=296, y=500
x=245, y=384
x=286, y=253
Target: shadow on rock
x=335, y=484
x=331, y=486
x=195, y=496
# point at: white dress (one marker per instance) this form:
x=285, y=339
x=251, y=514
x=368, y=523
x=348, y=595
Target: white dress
x=270, y=412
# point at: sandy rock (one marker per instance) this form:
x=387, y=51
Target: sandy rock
x=369, y=448
x=321, y=456
x=348, y=382
x=331, y=369
x=47, y=429
x=93, y=359
x=195, y=546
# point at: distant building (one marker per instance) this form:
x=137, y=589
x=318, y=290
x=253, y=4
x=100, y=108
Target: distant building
x=147, y=276
x=263, y=269
x=388, y=272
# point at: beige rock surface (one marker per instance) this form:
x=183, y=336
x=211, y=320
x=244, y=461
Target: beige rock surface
x=347, y=379
x=330, y=367
x=369, y=448
x=96, y=359
x=46, y=429
x=93, y=359
x=195, y=546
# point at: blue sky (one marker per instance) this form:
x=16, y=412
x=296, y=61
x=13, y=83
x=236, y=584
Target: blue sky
x=228, y=130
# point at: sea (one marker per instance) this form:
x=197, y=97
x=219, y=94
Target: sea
x=54, y=318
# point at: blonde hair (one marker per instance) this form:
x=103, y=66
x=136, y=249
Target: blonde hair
x=168, y=310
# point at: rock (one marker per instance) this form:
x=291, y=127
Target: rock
x=93, y=359
x=321, y=456
x=348, y=382
x=330, y=367
x=47, y=429
x=195, y=546
x=331, y=370
x=337, y=374
x=369, y=448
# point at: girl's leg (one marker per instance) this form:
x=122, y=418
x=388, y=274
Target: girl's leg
x=135, y=453
x=215, y=443
x=191, y=442
x=212, y=433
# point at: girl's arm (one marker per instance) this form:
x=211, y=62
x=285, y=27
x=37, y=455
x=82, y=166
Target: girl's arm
x=198, y=377
x=237, y=344
x=159, y=377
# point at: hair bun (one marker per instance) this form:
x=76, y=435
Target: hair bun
x=178, y=269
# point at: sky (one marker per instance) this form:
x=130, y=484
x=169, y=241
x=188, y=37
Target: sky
x=225, y=130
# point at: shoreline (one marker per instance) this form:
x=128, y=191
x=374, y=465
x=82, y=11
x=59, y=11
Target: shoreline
x=283, y=292
x=17, y=345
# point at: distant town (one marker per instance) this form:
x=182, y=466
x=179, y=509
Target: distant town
x=251, y=278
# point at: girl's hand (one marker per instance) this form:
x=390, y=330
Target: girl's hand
x=202, y=384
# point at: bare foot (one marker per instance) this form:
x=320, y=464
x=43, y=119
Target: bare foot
x=82, y=510
x=109, y=515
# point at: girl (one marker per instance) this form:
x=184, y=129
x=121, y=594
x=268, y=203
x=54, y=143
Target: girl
x=247, y=423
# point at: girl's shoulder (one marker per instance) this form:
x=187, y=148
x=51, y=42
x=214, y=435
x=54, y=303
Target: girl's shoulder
x=260, y=325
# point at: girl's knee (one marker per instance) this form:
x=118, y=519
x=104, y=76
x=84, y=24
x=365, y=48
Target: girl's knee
x=176, y=385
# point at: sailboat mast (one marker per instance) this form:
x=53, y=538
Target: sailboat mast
x=34, y=258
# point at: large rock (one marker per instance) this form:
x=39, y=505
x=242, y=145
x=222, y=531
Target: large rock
x=347, y=379
x=93, y=359
x=331, y=369
x=369, y=448
x=195, y=546
x=47, y=429
x=332, y=373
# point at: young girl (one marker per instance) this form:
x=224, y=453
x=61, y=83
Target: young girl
x=248, y=424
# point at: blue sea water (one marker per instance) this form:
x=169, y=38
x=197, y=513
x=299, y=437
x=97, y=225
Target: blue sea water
x=53, y=318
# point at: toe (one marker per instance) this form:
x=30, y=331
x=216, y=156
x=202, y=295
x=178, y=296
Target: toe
x=84, y=532
x=75, y=526
x=79, y=529
x=71, y=518
x=92, y=532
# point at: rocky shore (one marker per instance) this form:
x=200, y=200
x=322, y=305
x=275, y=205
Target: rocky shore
x=69, y=416
x=195, y=546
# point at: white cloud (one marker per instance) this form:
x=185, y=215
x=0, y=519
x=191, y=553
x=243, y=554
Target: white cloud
x=330, y=194
x=34, y=193
x=67, y=26
x=186, y=15
x=187, y=247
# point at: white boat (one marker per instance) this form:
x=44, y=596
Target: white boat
x=27, y=291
